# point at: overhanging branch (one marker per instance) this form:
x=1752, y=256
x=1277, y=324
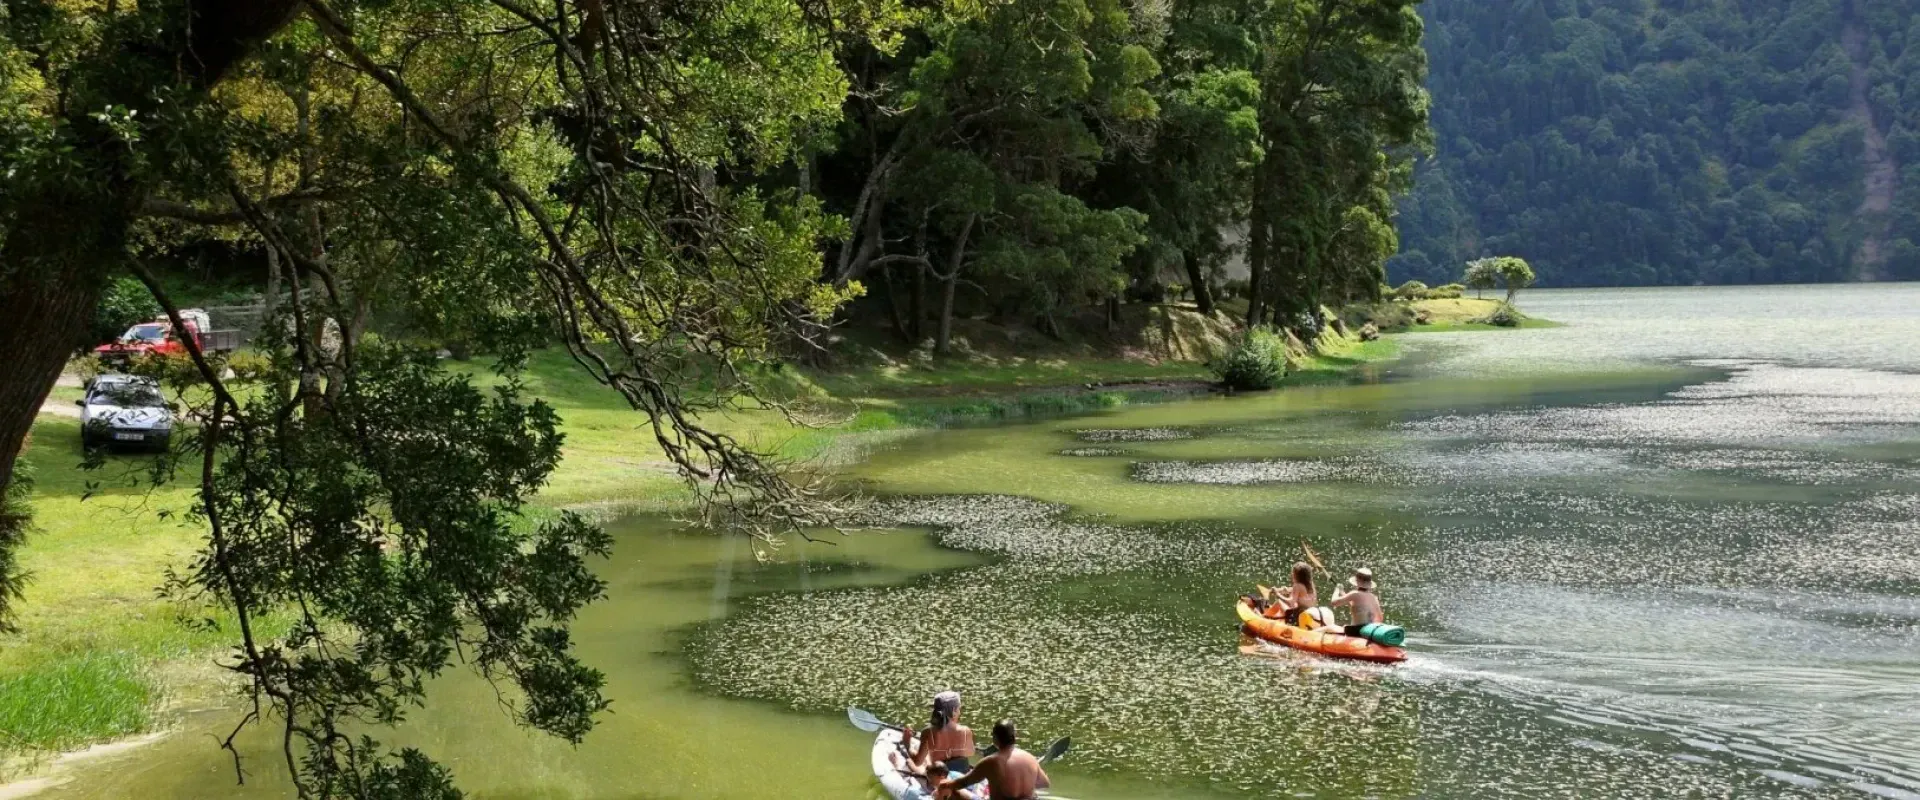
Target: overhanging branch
x=188, y=212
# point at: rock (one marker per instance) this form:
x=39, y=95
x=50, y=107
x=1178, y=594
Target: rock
x=1422, y=316
x=1369, y=333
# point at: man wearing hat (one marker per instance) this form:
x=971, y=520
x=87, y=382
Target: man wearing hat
x=1365, y=607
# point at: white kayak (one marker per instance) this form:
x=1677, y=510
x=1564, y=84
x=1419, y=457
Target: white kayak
x=893, y=782
x=900, y=786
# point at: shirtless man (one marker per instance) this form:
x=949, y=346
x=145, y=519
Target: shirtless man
x=1011, y=773
x=1365, y=607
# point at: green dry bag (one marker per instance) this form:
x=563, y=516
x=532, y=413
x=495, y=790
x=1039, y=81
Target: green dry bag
x=1382, y=633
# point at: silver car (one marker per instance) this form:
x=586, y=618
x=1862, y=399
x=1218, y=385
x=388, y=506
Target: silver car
x=125, y=410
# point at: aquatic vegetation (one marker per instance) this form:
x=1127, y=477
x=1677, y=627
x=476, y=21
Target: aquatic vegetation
x=1103, y=436
x=1252, y=472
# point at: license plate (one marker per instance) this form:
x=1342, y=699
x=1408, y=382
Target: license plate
x=130, y=437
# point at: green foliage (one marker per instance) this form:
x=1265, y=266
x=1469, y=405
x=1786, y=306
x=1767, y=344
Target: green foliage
x=124, y=303
x=1506, y=316
x=1668, y=142
x=1343, y=114
x=1257, y=363
x=74, y=700
x=396, y=514
x=1508, y=271
x=1411, y=290
x=1056, y=253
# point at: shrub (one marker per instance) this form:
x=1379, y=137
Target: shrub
x=1233, y=288
x=125, y=303
x=1389, y=317
x=1411, y=290
x=1506, y=316
x=1259, y=362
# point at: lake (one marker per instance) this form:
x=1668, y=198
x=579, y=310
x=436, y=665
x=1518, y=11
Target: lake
x=1672, y=548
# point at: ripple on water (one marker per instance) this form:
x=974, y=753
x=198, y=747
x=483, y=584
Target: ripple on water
x=1760, y=404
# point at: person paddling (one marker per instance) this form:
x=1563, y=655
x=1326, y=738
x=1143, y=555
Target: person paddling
x=1298, y=598
x=1364, y=606
x=945, y=740
x=1011, y=773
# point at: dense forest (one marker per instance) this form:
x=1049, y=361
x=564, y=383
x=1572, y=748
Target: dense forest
x=1630, y=142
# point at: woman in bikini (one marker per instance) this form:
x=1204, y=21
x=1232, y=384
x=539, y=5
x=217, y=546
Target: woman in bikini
x=945, y=740
x=1298, y=598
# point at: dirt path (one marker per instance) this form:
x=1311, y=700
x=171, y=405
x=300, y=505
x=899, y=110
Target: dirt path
x=62, y=408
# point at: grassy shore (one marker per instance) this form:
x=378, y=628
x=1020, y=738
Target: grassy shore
x=100, y=656
x=1447, y=316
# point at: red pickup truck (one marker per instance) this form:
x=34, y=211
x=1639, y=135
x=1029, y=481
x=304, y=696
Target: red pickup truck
x=158, y=336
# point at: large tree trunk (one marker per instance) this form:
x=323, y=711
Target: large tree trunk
x=50, y=280
x=1202, y=296
x=55, y=257
x=944, y=341
x=917, y=307
x=1259, y=254
x=893, y=307
x=959, y=257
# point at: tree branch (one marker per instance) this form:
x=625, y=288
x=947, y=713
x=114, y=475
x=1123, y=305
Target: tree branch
x=188, y=212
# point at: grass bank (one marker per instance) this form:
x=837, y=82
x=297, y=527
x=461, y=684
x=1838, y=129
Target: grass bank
x=101, y=657
x=1461, y=314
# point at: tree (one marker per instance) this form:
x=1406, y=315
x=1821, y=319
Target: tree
x=1515, y=273
x=513, y=175
x=1192, y=179
x=1342, y=113
x=1482, y=274
x=1509, y=271
x=974, y=138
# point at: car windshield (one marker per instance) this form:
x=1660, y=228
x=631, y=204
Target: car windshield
x=129, y=397
x=150, y=332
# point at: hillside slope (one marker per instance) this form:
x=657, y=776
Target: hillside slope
x=1671, y=141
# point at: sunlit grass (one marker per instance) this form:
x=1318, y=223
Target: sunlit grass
x=75, y=699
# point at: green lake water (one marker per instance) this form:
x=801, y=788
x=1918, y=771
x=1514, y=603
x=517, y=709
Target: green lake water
x=1671, y=549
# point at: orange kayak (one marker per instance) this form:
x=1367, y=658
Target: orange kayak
x=1325, y=643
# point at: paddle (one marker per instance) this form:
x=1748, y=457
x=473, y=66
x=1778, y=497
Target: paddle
x=866, y=721
x=1314, y=559
x=1059, y=748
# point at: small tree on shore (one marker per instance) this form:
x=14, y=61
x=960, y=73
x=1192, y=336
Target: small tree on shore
x=1512, y=272
x=1515, y=273
x=1481, y=276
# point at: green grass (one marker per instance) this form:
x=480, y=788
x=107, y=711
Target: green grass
x=96, y=642
x=998, y=375
x=71, y=701
x=1337, y=359
x=1447, y=316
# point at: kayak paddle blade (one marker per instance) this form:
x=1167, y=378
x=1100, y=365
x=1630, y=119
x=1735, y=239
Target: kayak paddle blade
x=1059, y=748
x=864, y=721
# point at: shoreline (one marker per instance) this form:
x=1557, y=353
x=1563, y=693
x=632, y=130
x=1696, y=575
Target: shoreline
x=186, y=672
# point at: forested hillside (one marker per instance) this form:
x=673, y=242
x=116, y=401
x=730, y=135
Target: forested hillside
x=1619, y=142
